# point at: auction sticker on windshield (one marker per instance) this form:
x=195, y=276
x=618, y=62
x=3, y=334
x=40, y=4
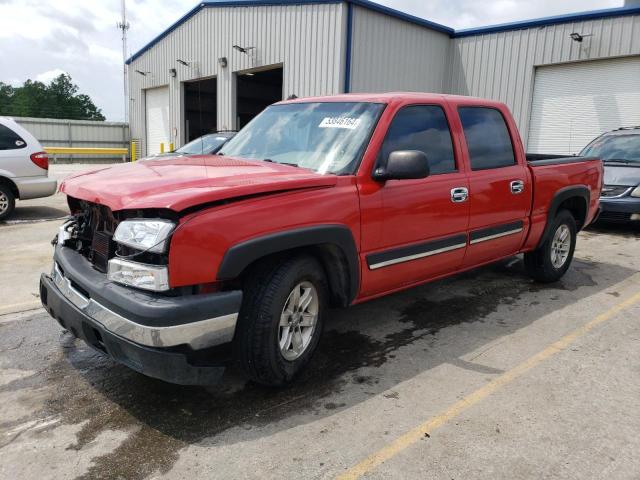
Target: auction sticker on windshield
x=340, y=122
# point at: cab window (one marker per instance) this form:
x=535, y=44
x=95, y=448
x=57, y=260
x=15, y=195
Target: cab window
x=487, y=137
x=424, y=128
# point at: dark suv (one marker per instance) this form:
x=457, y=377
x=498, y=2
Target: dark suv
x=620, y=153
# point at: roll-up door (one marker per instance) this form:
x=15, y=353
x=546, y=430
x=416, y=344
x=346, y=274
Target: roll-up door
x=574, y=103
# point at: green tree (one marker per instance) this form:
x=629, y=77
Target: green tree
x=58, y=99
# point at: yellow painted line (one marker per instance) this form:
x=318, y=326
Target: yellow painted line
x=414, y=435
x=87, y=150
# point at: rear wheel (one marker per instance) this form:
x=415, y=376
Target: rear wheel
x=550, y=261
x=7, y=201
x=281, y=320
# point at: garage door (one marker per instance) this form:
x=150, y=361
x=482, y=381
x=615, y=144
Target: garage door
x=576, y=102
x=157, y=101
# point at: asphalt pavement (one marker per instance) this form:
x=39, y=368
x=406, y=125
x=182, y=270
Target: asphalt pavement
x=484, y=375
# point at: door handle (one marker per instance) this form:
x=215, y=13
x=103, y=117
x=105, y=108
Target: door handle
x=517, y=186
x=459, y=194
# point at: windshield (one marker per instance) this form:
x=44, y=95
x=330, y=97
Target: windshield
x=624, y=148
x=205, y=144
x=326, y=137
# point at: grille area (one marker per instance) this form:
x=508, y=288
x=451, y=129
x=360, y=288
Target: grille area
x=103, y=248
x=96, y=226
x=609, y=191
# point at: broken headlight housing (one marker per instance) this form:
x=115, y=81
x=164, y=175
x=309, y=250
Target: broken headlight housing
x=145, y=234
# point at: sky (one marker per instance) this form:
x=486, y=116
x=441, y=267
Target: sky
x=39, y=39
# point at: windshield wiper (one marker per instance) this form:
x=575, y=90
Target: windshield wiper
x=281, y=163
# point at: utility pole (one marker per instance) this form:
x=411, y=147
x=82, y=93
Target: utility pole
x=124, y=26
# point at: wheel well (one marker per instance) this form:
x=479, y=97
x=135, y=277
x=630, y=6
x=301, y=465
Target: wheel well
x=577, y=206
x=331, y=257
x=11, y=185
x=574, y=199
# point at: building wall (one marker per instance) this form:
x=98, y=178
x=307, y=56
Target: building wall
x=389, y=54
x=306, y=39
x=52, y=132
x=501, y=65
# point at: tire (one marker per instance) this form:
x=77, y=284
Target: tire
x=7, y=201
x=269, y=299
x=548, y=262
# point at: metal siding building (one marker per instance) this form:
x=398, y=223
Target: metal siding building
x=306, y=40
x=389, y=53
x=320, y=47
x=502, y=64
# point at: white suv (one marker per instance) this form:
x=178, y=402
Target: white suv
x=24, y=167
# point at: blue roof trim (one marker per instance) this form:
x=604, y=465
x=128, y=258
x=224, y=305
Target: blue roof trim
x=392, y=12
x=540, y=22
x=250, y=3
x=221, y=3
x=173, y=26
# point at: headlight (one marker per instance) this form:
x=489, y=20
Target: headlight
x=636, y=192
x=144, y=234
x=139, y=275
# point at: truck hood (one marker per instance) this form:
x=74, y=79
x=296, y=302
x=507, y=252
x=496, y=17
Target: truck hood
x=622, y=175
x=178, y=183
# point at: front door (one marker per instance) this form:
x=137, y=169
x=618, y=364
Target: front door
x=422, y=232
x=499, y=193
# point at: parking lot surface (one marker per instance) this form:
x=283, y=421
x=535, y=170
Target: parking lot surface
x=26, y=243
x=484, y=375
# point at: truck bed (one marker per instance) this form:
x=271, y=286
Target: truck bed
x=552, y=174
x=540, y=159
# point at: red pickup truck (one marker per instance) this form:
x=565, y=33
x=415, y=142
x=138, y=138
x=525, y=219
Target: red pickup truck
x=177, y=265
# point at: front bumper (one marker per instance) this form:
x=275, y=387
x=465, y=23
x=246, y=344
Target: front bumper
x=35, y=187
x=622, y=209
x=159, y=336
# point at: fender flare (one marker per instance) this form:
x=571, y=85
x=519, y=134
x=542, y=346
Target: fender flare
x=240, y=256
x=575, y=191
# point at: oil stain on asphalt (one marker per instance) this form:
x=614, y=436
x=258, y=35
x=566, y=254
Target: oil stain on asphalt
x=89, y=389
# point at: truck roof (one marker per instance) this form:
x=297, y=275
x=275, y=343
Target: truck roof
x=389, y=97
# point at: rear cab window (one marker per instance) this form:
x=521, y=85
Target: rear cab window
x=487, y=136
x=10, y=140
x=424, y=128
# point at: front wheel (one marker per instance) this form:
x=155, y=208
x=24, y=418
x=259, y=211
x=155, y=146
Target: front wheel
x=281, y=320
x=549, y=262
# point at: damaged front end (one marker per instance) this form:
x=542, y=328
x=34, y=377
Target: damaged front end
x=91, y=228
x=170, y=334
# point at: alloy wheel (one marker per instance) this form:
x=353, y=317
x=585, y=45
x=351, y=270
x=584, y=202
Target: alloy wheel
x=560, y=246
x=298, y=320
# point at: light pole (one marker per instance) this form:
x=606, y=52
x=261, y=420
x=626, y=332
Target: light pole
x=124, y=26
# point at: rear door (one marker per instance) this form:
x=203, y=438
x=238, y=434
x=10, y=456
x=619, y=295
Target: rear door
x=422, y=232
x=499, y=185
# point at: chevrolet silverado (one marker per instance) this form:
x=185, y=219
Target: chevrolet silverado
x=175, y=267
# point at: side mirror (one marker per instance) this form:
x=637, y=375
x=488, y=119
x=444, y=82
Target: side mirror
x=403, y=165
